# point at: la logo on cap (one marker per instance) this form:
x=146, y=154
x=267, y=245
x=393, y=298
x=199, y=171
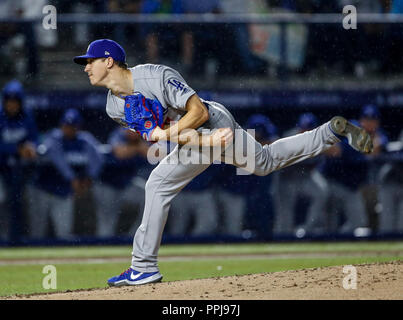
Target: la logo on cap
x=107, y=53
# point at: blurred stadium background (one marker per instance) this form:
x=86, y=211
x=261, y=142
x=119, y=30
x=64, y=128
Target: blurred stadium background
x=70, y=176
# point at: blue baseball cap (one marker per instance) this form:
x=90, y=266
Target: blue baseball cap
x=71, y=117
x=370, y=111
x=262, y=125
x=102, y=48
x=307, y=121
x=13, y=90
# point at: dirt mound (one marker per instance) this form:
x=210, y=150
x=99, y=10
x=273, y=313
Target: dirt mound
x=373, y=281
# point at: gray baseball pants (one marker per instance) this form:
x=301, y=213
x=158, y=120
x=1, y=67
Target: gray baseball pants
x=311, y=185
x=171, y=176
x=233, y=207
x=109, y=201
x=44, y=205
x=391, y=198
x=188, y=203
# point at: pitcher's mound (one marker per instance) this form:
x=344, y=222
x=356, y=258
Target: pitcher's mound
x=373, y=281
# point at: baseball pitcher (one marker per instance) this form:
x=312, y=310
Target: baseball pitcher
x=155, y=101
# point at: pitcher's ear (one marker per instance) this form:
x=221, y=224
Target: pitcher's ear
x=109, y=62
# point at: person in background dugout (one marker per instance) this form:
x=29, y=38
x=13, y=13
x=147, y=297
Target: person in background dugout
x=162, y=39
x=70, y=162
x=204, y=42
x=231, y=200
x=391, y=194
x=259, y=216
x=195, y=202
x=18, y=139
x=245, y=200
x=346, y=173
x=370, y=120
x=301, y=180
x=118, y=183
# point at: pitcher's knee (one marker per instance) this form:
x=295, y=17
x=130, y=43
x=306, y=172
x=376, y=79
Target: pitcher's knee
x=263, y=163
x=261, y=172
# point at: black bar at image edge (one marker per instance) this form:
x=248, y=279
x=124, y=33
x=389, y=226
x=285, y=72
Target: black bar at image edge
x=201, y=309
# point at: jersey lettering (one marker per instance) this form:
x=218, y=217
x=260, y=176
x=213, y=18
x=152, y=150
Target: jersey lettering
x=177, y=84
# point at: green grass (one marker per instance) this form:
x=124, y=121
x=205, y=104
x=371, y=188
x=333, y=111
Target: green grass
x=169, y=250
x=27, y=278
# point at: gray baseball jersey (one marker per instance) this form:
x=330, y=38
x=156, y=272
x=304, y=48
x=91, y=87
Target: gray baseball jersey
x=170, y=177
x=155, y=82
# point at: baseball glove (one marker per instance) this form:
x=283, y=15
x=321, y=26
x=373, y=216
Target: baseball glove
x=143, y=115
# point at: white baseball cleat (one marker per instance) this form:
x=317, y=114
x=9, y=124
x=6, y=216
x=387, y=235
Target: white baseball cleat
x=357, y=137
